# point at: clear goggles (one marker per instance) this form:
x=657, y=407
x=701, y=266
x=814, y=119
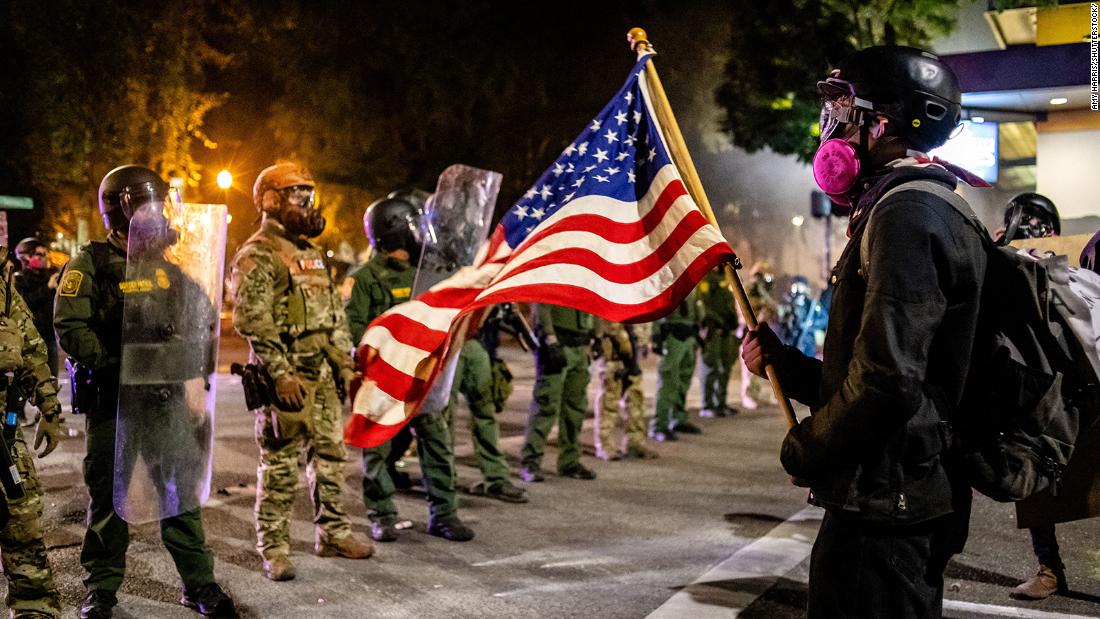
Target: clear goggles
x=299, y=195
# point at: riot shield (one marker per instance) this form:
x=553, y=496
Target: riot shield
x=455, y=223
x=164, y=437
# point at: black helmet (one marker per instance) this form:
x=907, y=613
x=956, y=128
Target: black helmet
x=911, y=87
x=418, y=197
x=125, y=188
x=1031, y=215
x=394, y=223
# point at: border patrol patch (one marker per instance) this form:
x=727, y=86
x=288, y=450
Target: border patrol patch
x=70, y=284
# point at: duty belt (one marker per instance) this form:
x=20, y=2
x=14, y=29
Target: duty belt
x=573, y=338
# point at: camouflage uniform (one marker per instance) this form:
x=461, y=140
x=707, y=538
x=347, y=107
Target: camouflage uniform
x=290, y=312
x=620, y=399
x=377, y=286
x=88, y=321
x=31, y=590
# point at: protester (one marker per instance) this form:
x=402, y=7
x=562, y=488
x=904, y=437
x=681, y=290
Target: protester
x=36, y=282
x=901, y=328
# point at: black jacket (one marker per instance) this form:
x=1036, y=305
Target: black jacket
x=896, y=357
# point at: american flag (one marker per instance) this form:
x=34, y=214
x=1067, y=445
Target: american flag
x=608, y=228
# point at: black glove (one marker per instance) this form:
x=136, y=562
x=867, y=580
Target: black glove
x=550, y=358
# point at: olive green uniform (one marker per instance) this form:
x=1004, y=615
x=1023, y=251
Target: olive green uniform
x=474, y=381
x=291, y=314
x=561, y=395
x=30, y=582
x=377, y=286
x=620, y=400
x=674, y=339
x=88, y=321
x=719, y=336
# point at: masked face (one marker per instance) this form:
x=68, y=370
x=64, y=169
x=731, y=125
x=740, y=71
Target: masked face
x=38, y=260
x=298, y=212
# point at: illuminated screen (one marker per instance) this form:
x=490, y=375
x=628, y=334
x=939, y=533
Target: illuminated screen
x=975, y=148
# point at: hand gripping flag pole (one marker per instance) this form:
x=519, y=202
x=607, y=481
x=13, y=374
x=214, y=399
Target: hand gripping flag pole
x=639, y=42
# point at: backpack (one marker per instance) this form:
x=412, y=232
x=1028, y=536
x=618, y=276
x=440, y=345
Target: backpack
x=1032, y=384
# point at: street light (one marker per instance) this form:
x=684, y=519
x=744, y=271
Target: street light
x=225, y=179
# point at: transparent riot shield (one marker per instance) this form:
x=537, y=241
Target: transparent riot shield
x=455, y=223
x=164, y=438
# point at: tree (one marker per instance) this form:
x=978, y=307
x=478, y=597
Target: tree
x=103, y=84
x=779, y=50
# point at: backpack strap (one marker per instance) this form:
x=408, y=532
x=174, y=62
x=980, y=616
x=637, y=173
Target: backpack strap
x=940, y=191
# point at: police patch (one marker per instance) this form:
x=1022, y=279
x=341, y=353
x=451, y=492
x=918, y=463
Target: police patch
x=311, y=264
x=70, y=284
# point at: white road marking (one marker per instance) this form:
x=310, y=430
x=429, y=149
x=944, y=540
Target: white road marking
x=763, y=563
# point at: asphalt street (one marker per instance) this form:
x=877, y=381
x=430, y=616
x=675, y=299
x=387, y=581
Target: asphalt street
x=716, y=510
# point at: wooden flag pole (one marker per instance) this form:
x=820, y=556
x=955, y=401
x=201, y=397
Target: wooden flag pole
x=682, y=158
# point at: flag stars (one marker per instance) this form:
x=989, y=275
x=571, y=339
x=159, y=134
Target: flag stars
x=630, y=175
x=612, y=171
x=629, y=97
x=521, y=212
x=637, y=117
x=582, y=148
x=629, y=141
x=620, y=118
x=610, y=136
x=652, y=154
x=558, y=169
x=622, y=155
x=569, y=196
x=602, y=179
x=545, y=192
x=579, y=181
x=530, y=193
x=589, y=168
x=538, y=213
x=569, y=150
x=601, y=154
x=595, y=125
x=569, y=168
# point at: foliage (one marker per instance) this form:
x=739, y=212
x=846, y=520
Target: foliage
x=780, y=49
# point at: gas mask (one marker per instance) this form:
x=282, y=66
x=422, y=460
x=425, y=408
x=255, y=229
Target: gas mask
x=298, y=213
x=838, y=163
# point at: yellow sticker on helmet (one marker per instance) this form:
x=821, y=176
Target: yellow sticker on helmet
x=916, y=122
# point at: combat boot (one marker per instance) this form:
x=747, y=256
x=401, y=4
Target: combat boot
x=98, y=604
x=451, y=529
x=578, y=471
x=209, y=600
x=712, y=412
x=531, y=474
x=609, y=456
x=1045, y=583
x=384, y=529
x=278, y=567
x=686, y=427
x=350, y=547
x=640, y=452
x=502, y=490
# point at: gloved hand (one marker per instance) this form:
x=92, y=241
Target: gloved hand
x=550, y=358
x=48, y=432
x=290, y=393
x=762, y=347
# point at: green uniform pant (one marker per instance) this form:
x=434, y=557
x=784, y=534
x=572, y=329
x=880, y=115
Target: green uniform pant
x=30, y=581
x=720, y=350
x=435, y=450
x=473, y=379
x=277, y=473
x=673, y=379
x=618, y=407
x=108, y=536
x=562, y=396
